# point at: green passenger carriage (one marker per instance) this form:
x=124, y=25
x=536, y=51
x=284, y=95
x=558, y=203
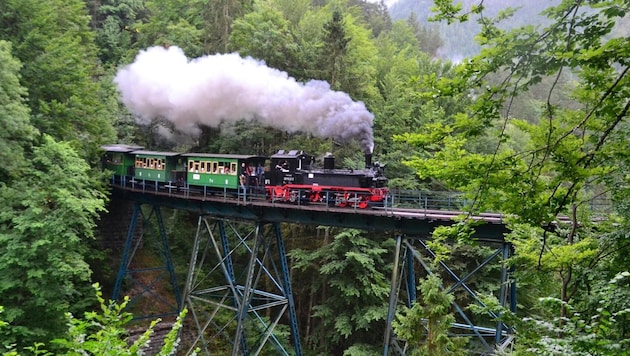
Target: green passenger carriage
x=157, y=166
x=119, y=159
x=222, y=171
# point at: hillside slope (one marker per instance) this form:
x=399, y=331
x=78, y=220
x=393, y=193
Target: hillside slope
x=459, y=37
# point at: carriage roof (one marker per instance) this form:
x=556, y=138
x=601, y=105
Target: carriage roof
x=223, y=155
x=156, y=153
x=121, y=147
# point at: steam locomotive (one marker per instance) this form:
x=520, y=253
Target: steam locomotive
x=291, y=176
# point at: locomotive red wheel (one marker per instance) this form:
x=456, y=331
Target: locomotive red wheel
x=278, y=193
x=363, y=203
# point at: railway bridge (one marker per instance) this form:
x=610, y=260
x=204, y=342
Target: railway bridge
x=239, y=241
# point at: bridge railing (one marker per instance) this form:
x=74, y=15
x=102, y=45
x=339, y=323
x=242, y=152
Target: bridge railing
x=395, y=199
x=425, y=200
x=409, y=199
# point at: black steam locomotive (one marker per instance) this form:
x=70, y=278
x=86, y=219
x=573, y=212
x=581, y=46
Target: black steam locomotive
x=293, y=176
x=286, y=176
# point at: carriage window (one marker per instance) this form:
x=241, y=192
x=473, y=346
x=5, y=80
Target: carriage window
x=233, y=165
x=202, y=166
x=193, y=166
x=215, y=167
x=158, y=164
x=115, y=159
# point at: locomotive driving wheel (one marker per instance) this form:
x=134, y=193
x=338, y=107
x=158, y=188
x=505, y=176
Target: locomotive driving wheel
x=278, y=194
x=341, y=200
x=361, y=202
x=357, y=200
x=354, y=200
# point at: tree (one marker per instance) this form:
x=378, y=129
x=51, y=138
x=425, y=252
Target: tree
x=335, y=47
x=103, y=333
x=199, y=27
x=178, y=23
x=114, y=22
x=404, y=74
x=425, y=326
x=428, y=38
x=352, y=301
x=374, y=15
x=17, y=131
x=47, y=217
x=53, y=42
x=574, y=153
x=265, y=35
x=598, y=330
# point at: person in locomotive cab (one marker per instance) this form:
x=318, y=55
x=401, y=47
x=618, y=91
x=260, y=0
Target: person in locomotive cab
x=284, y=167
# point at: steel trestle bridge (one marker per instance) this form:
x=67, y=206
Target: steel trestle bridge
x=239, y=241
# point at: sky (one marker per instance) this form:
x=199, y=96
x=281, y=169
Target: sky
x=387, y=2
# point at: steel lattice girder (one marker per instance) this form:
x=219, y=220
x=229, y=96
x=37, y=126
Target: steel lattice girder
x=239, y=310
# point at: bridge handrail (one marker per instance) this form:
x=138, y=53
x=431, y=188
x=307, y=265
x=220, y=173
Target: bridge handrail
x=418, y=200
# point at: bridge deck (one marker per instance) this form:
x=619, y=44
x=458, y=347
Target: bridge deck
x=408, y=221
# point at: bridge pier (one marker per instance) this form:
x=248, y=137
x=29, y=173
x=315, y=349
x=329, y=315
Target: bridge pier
x=222, y=292
x=490, y=338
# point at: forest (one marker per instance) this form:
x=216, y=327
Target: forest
x=531, y=121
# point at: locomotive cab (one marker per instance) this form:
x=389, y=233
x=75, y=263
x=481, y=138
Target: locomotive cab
x=284, y=165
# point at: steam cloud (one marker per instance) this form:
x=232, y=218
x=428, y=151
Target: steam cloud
x=164, y=83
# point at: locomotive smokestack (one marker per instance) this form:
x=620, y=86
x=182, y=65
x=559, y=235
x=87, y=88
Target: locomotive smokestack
x=329, y=161
x=368, y=160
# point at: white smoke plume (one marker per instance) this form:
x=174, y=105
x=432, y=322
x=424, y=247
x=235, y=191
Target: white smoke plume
x=162, y=82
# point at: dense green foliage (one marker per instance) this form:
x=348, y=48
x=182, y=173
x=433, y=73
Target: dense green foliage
x=433, y=312
x=18, y=133
x=534, y=124
x=45, y=228
x=353, y=290
x=103, y=333
x=561, y=162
